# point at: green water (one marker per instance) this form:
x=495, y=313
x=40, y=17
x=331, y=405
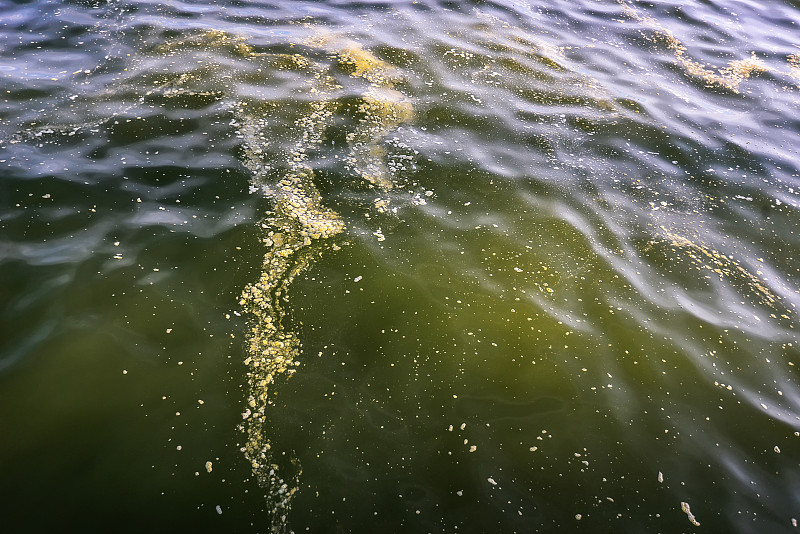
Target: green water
x=401, y=267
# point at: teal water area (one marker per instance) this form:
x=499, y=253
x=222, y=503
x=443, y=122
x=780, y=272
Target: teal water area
x=478, y=266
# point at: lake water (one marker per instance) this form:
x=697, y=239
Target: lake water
x=434, y=266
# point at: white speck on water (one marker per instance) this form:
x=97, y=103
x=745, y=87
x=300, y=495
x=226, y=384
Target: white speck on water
x=492, y=481
x=219, y=509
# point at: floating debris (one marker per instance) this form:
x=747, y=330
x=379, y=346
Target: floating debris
x=724, y=266
x=299, y=226
x=686, y=510
x=794, y=67
x=296, y=230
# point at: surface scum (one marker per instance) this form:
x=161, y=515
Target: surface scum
x=729, y=77
x=225, y=69
x=298, y=226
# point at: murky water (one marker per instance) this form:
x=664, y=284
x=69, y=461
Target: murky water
x=399, y=266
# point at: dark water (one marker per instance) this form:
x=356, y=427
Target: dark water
x=399, y=266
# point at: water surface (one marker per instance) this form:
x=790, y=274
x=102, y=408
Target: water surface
x=400, y=266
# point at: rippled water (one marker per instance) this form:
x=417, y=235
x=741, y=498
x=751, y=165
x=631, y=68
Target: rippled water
x=399, y=266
